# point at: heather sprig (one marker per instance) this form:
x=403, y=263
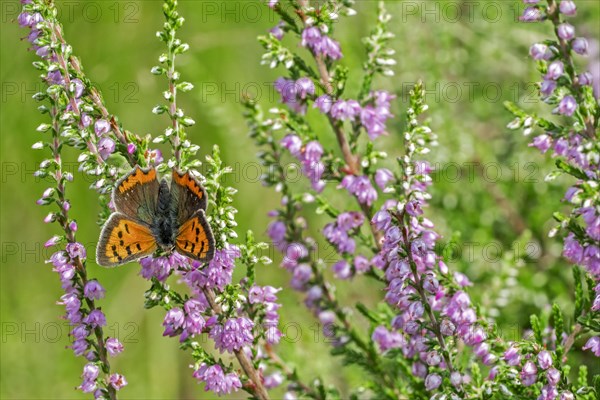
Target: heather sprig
x=215, y=306
x=573, y=141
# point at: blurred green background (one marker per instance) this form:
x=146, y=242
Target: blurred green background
x=472, y=55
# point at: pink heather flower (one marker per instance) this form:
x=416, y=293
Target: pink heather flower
x=73, y=226
x=106, y=146
x=155, y=157
x=93, y=290
x=233, y=335
x=542, y=142
x=131, y=148
x=593, y=344
x=539, y=51
x=53, y=241
x=433, y=381
x=382, y=177
x=117, y=381
x=580, y=46
x=544, y=359
x=95, y=319
x=386, y=339
x=173, y=321
x=531, y=14
x=568, y=7
x=101, y=127
x=555, y=70
x=566, y=31
x=323, y=103
x=216, y=381
x=273, y=380
x=345, y=110
x=90, y=374
x=76, y=250
x=113, y=346
x=567, y=106
x=305, y=87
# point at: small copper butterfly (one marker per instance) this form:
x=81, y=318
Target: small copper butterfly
x=151, y=215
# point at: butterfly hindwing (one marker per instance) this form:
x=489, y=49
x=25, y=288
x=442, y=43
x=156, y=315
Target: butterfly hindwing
x=195, y=239
x=187, y=196
x=123, y=240
x=136, y=194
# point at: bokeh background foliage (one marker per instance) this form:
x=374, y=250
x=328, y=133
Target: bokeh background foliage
x=490, y=197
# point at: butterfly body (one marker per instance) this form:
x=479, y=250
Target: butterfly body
x=151, y=215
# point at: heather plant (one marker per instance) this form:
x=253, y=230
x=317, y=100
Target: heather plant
x=359, y=217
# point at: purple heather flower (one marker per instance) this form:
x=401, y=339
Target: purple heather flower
x=101, y=127
x=361, y=264
x=593, y=344
x=131, y=148
x=342, y=270
x=234, y=334
x=566, y=31
x=311, y=37
x=547, y=87
x=382, y=177
x=323, y=103
x=276, y=232
x=113, y=346
x=555, y=70
x=529, y=374
x=531, y=14
x=360, y=186
x=381, y=220
x=585, y=78
x=76, y=250
x=80, y=346
x=95, y=319
x=512, y=356
x=386, y=339
x=580, y=46
x=93, y=290
x=345, y=110
x=548, y=393
x=542, y=142
x=155, y=157
x=174, y=320
x=539, y=51
x=568, y=7
x=305, y=87
x=117, y=381
x=329, y=48
x=90, y=374
x=216, y=380
x=455, y=379
x=433, y=381
x=531, y=1
x=567, y=106
x=553, y=376
x=544, y=359
x=106, y=146
x=73, y=226
x=293, y=143
x=572, y=249
x=277, y=31
x=433, y=358
x=374, y=119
